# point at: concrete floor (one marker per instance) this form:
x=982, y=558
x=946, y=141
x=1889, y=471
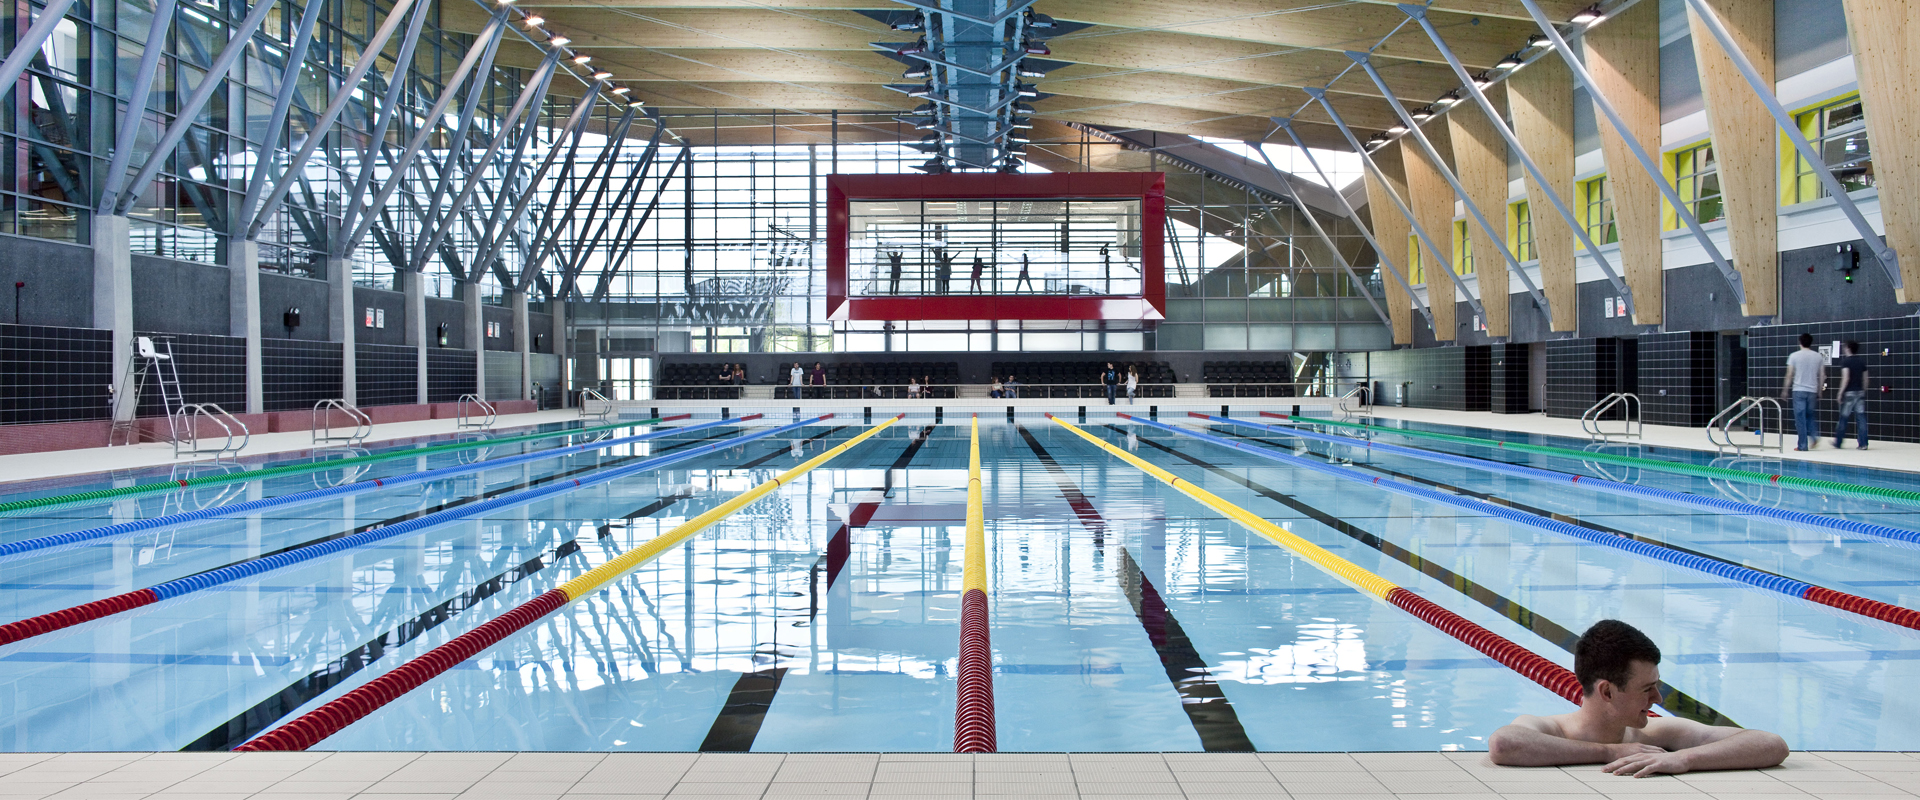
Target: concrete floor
x=773, y=776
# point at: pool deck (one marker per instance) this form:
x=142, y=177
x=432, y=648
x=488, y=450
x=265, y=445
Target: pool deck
x=868, y=776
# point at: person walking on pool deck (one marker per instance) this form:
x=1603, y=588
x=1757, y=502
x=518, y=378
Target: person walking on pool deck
x=1112, y=379
x=1619, y=672
x=1806, y=376
x=1853, y=394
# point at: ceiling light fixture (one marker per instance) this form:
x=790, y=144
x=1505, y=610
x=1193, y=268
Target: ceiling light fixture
x=1509, y=62
x=622, y=90
x=559, y=41
x=1447, y=99
x=916, y=73
x=1423, y=113
x=601, y=75
x=1538, y=40
x=1397, y=129
x=1587, y=16
x=534, y=20
x=582, y=59
x=1481, y=81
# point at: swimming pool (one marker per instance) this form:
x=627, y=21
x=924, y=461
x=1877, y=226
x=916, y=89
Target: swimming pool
x=1125, y=615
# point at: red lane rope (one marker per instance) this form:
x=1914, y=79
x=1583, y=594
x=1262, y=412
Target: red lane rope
x=329, y=719
x=1555, y=678
x=973, y=729
x=69, y=617
x=1885, y=612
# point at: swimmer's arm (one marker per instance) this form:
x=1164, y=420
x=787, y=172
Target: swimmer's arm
x=1537, y=742
x=1693, y=746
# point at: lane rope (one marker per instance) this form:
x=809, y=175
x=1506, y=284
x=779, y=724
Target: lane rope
x=1697, y=501
x=1721, y=569
x=309, y=729
x=1551, y=676
x=973, y=723
x=14, y=507
x=68, y=617
x=10, y=550
x=1697, y=470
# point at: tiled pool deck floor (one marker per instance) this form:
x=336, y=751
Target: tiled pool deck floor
x=774, y=776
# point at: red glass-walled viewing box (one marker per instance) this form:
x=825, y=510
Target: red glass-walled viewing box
x=1058, y=246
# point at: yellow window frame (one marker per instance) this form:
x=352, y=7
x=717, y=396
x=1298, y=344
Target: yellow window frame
x=1793, y=185
x=1462, y=249
x=1520, y=214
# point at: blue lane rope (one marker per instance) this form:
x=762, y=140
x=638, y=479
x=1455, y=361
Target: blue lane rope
x=1696, y=501
x=11, y=550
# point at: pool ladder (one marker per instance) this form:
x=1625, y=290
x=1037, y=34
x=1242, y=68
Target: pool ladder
x=602, y=410
x=188, y=422
x=1593, y=418
x=1720, y=429
x=474, y=412
x=323, y=412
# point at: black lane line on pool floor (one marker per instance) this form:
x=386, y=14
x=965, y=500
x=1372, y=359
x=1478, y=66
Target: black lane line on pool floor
x=1674, y=700
x=783, y=451
x=738, y=724
x=1514, y=504
x=840, y=544
x=264, y=714
x=1208, y=708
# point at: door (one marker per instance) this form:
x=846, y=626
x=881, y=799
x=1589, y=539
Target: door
x=1537, y=376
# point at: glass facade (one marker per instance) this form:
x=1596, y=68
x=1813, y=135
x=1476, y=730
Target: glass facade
x=1838, y=131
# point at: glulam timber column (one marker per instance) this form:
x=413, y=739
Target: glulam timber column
x=1432, y=202
x=1744, y=145
x=1885, y=57
x=1391, y=230
x=1623, y=54
x=1540, y=99
x=1480, y=156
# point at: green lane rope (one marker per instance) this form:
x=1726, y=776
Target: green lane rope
x=1697, y=470
x=120, y=493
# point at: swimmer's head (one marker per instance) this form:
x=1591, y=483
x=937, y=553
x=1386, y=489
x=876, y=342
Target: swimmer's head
x=1619, y=670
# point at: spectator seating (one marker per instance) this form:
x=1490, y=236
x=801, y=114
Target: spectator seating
x=1243, y=378
x=697, y=381
x=872, y=379
x=1081, y=379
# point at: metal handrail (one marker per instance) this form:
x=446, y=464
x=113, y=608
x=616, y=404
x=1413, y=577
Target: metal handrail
x=322, y=422
x=466, y=419
x=1605, y=470
x=1723, y=423
x=192, y=413
x=325, y=478
x=606, y=406
x=1629, y=405
x=1771, y=494
x=1349, y=412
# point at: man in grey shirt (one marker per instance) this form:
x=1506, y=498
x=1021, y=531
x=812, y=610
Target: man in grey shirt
x=1806, y=374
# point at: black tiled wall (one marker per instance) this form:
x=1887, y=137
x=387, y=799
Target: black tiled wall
x=50, y=374
x=1508, y=377
x=212, y=369
x=1892, y=350
x=1676, y=378
x=1447, y=378
x=385, y=374
x=450, y=373
x=1581, y=371
x=296, y=374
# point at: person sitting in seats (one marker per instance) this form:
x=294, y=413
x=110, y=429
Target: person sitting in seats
x=998, y=389
x=1619, y=672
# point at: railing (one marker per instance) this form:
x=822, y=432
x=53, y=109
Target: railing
x=326, y=478
x=322, y=422
x=1607, y=470
x=1720, y=428
x=588, y=396
x=1357, y=402
x=466, y=416
x=1772, y=494
x=188, y=441
x=1631, y=427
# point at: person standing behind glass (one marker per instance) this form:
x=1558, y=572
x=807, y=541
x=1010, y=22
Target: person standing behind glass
x=979, y=269
x=1806, y=375
x=893, y=271
x=942, y=270
x=1025, y=279
x=1106, y=268
x=1853, y=394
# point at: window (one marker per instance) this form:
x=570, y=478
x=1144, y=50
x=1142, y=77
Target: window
x=1596, y=211
x=1838, y=130
x=1415, y=275
x=1520, y=231
x=1462, y=249
x=1696, y=177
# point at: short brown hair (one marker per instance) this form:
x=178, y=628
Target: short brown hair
x=1606, y=652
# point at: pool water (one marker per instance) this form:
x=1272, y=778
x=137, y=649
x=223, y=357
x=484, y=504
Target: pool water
x=1125, y=616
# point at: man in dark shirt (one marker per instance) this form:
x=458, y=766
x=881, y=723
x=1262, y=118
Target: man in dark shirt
x=1853, y=393
x=893, y=274
x=1112, y=379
